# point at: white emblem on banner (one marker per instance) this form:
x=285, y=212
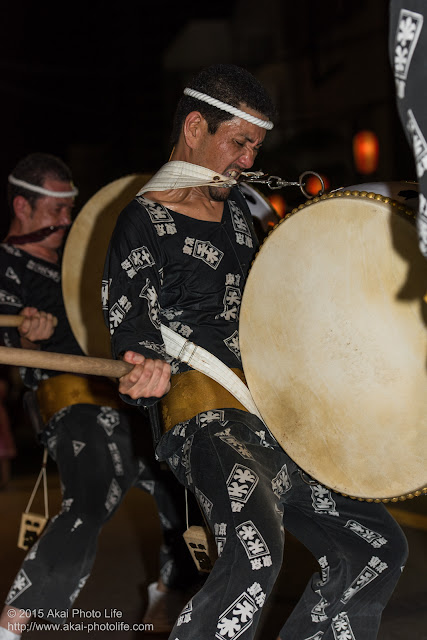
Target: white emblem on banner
x=407, y=34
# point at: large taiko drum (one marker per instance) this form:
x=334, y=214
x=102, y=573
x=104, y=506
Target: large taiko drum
x=334, y=344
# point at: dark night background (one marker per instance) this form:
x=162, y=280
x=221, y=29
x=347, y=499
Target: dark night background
x=97, y=83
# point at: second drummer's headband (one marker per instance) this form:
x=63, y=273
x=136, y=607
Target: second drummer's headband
x=265, y=124
x=44, y=192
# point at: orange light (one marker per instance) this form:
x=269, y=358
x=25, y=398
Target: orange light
x=278, y=203
x=313, y=184
x=365, y=152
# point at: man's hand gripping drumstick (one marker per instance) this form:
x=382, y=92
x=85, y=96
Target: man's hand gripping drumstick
x=33, y=326
x=148, y=378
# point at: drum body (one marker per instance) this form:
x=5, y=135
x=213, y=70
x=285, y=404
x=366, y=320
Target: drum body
x=402, y=191
x=334, y=344
x=259, y=206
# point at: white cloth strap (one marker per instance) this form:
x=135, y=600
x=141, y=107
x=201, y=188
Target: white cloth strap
x=177, y=174
x=205, y=362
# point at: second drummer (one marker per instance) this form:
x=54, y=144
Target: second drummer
x=84, y=425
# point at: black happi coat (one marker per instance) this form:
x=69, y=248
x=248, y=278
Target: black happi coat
x=26, y=281
x=188, y=274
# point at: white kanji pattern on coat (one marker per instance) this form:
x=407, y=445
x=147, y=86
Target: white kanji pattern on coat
x=240, y=485
x=323, y=501
x=220, y=533
x=372, y=537
x=185, y=615
x=204, y=502
x=237, y=618
x=12, y=275
x=254, y=545
x=137, y=259
x=203, y=250
x=234, y=443
x=185, y=458
x=324, y=571
x=281, y=483
x=10, y=300
x=116, y=459
x=20, y=584
x=79, y=587
x=372, y=570
x=114, y=495
x=243, y=234
x=341, y=627
x=149, y=292
x=108, y=418
x=232, y=343
x=78, y=447
x=318, y=613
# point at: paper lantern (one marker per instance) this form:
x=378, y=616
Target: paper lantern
x=313, y=186
x=365, y=152
x=278, y=203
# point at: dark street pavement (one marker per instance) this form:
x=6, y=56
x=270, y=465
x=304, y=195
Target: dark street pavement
x=127, y=562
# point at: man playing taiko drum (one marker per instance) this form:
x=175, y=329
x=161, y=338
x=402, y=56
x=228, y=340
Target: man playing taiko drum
x=179, y=257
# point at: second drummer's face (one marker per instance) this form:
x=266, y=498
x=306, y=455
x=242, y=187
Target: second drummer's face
x=52, y=211
x=231, y=150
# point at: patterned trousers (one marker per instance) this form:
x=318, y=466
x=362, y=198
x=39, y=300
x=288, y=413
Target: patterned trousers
x=250, y=492
x=95, y=449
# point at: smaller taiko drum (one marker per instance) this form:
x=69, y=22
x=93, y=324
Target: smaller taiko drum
x=260, y=207
x=83, y=262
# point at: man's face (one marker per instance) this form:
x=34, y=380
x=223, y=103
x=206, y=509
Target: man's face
x=51, y=211
x=231, y=150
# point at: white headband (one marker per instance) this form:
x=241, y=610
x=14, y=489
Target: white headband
x=44, y=192
x=265, y=124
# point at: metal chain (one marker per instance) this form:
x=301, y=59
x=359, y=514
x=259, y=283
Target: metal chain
x=274, y=182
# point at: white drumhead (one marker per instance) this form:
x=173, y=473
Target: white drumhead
x=334, y=344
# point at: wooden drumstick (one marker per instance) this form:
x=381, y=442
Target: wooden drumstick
x=64, y=362
x=7, y=320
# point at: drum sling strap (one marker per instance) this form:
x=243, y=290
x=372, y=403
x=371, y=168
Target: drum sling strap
x=205, y=362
